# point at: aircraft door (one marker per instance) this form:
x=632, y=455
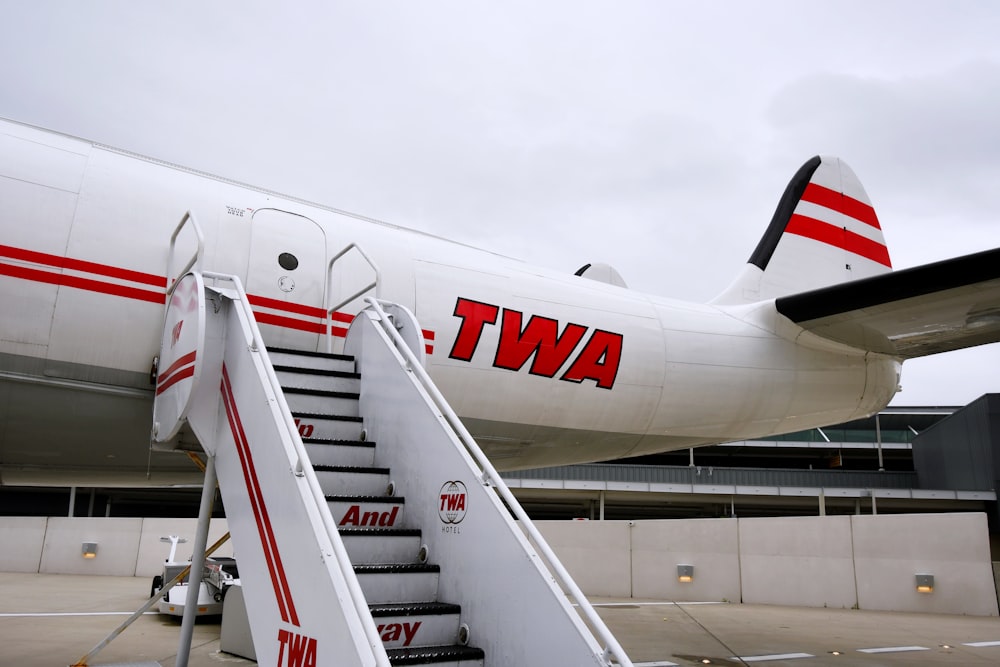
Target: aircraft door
x=286, y=278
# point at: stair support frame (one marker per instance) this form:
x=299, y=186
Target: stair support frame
x=207, y=418
x=197, y=564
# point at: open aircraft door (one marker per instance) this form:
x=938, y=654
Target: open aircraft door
x=286, y=278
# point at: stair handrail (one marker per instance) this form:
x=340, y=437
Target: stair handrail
x=329, y=278
x=194, y=262
x=303, y=468
x=490, y=477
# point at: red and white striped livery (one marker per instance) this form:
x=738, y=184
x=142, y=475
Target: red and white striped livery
x=544, y=367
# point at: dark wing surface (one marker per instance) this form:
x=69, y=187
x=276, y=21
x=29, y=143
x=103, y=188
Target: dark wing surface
x=908, y=313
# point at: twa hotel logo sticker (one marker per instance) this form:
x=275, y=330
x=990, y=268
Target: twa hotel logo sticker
x=453, y=500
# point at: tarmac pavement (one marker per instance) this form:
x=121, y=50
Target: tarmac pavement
x=54, y=620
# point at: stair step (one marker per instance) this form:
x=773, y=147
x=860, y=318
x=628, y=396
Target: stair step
x=340, y=452
x=366, y=511
x=370, y=546
x=417, y=624
x=312, y=378
x=306, y=359
x=352, y=481
x=318, y=401
x=444, y=656
x=399, y=582
x=323, y=425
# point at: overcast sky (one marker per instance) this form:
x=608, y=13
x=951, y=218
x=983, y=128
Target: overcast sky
x=654, y=136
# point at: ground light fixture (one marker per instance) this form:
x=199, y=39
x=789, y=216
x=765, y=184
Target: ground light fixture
x=685, y=573
x=89, y=550
x=925, y=583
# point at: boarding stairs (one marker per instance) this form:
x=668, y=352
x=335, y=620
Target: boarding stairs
x=386, y=550
x=369, y=527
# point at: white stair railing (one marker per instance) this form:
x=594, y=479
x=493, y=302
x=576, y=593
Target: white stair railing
x=491, y=478
x=327, y=532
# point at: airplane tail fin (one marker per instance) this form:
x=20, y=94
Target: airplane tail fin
x=823, y=232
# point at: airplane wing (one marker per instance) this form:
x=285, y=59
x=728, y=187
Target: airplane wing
x=909, y=313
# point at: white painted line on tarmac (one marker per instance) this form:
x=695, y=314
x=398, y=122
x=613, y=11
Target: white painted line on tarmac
x=647, y=604
x=73, y=613
x=981, y=644
x=893, y=649
x=776, y=656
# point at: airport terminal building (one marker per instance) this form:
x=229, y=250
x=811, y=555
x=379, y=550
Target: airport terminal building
x=902, y=460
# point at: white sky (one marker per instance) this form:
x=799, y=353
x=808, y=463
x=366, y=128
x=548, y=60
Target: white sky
x=655, y=136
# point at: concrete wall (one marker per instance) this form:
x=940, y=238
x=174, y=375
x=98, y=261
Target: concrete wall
x=22, y=540
x=839, y=561
x=117, y=545
x=787, y=560
x=711, y=545
x=125, y=547
x=601, y=563
x=953, y=547
x=868, y=562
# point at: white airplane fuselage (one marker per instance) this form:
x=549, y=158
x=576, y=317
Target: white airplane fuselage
x=544, y=367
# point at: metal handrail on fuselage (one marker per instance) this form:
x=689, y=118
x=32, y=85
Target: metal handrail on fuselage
x=329, y=288
x=303, y=468
x=492, y=478
x=194, y=262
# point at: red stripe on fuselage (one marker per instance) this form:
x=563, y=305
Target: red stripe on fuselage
x=838, y=237
x=58, y=278
x=269, y=545
x=87, y=284
x=300, y=325
x=297, y=308
x=82, y=265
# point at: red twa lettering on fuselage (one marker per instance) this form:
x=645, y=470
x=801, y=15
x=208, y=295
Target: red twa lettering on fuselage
x=540, y=340
x=296, y=650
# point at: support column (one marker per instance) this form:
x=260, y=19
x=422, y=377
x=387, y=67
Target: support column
x=197, y=564
x=601, y=500
x=72, y=501
x=878, y=440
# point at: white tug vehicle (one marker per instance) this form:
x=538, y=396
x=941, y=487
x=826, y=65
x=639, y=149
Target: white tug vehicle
x=217, y=576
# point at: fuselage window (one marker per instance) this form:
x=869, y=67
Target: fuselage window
x=288, y=261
